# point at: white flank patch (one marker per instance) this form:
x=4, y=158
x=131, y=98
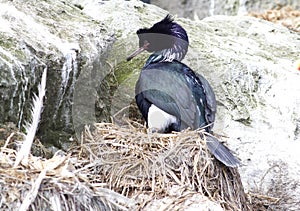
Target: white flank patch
x=158, y=119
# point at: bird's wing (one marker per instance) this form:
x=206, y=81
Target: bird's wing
x=210, y=104
x=164, y=85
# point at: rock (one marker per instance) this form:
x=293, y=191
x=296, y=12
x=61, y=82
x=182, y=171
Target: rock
x=256, y=87
x=200, y=9
x=55, y=35
x=63, y=37
x=249, y=63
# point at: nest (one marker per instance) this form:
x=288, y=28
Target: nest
x=122, y=168
x=134, y=162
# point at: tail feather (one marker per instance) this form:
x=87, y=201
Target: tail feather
x=221, y=152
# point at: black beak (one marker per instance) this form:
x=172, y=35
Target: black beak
x=138, y=51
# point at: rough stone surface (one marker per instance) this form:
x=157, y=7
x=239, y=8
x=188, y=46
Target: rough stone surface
x=199, y=9
x=249, y=63
x=37, y=35
x=256, y=86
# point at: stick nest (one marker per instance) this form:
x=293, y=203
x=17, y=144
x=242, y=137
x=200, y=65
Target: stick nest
x=122, y=168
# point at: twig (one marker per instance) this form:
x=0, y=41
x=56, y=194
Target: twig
x=31, y=195
x=8, y=139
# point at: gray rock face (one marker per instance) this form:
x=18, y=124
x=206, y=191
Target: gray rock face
x=83, y=44
x=204, y=8
x=37, y=35
x=256, y=86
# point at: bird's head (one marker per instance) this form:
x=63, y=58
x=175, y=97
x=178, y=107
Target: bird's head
x=165, y=36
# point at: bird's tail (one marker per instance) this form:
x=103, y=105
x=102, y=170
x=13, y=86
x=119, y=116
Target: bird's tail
x=221, y=152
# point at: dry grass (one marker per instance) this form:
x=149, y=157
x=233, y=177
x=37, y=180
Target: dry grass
x=285, y=16
x=53, y=184
x=123, y=168
x=133, y=162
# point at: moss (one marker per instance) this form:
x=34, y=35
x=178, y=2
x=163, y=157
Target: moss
x=10, y=44
x=125, y=69
x=140, y=9
x=118, y=33
x=117, y=88
x=6, y=42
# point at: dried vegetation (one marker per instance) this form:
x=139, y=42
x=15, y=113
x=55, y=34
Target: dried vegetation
x=123, y=168
x=286, y=16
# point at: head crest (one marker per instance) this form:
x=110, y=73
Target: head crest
x=167, y=20
x=166, y=37
x=162, y=35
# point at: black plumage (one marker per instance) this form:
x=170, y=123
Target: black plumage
x=169, y=94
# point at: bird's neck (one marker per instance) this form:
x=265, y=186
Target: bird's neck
x=177, y=52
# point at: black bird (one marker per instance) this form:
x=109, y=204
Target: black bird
x=169, y=94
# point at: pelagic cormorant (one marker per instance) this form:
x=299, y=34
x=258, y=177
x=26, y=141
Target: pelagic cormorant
x=169, y=94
